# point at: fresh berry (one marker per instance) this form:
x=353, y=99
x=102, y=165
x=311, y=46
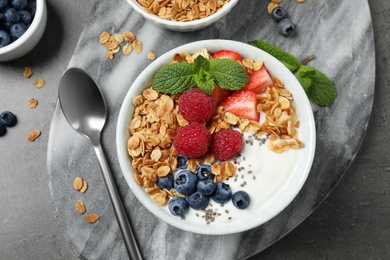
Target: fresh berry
x=192, y=140
x=278, y=14
x=18, y=4
x=185, y=182
x=3, y=130
x=259, y=81
x=222, y=193
x=286, y=27
x=227, y=54
x=25, y=17
x=8, y=119
x=206, y=187
x=220, y=94
x=31, y=7
x=241, y=199
x=196, y=106
x=242, y=104
x=203, y=172
x=181, y=162
x=198, y=201
x=3, y=4
x=12, y=16
x=178, y=206
x=226, y=144
x=5, y=39
x=17, y=30
x=165, y=182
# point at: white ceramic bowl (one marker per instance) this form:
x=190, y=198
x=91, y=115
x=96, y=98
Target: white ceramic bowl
x=182, y=26
x=30, y=38
x=279, y=177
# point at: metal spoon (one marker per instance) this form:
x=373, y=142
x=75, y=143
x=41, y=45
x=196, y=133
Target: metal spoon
x=84, y=108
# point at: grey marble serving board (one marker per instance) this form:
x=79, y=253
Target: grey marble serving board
x=339, y=33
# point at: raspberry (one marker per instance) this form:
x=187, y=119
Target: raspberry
x=197, y=106
x=226, y=144
x=192, y=140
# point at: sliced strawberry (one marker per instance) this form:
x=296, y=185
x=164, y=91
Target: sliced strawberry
x=242, y=104
x=259, y=81
x=220, y=94
x=227, y=54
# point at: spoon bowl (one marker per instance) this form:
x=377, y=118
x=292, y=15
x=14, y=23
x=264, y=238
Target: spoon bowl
x=84, y=108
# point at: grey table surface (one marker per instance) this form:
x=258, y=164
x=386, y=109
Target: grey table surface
x=351, y=223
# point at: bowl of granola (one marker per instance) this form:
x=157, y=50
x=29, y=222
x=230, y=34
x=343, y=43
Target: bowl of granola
x=182, y=15
x=215, y=137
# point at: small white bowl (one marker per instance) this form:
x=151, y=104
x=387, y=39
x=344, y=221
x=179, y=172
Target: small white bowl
x=183, y=26
x=30, y=38
x=279, y=177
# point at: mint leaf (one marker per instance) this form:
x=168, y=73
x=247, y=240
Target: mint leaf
x=318, y=87
x=174, y=78
x=228, y=74
x=290, y=61
x=201, y=63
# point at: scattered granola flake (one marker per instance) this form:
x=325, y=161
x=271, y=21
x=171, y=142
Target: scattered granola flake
x=119, y=38
x=104, y=37
x=33, y=135
x=127, y=49
x=151, y=55
x=27, y=72
x=39, y=82
x=77, y=183
x=32, y=103
x=80, y=207
x=300, y=1
x=110, y=55
x=92, y=218
x=271, y=6
x=84, y=187
x=129, y=36
x=137, y=46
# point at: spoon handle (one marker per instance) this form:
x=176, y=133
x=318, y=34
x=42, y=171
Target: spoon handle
x=124, y=224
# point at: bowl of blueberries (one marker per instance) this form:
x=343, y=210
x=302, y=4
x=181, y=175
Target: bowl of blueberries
x=22, y=24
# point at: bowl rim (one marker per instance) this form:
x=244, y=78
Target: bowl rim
x=30, y=30
x=190, y=24
x=226, y=228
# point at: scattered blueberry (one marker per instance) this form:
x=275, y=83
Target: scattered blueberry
x=8, y=119
x=12, y=16
x=3, y=4
x=3, y=130
x=198, y=201
x=286, y=27
x=178, y=206
x=241, y=199
x=222, y=193
x=165, y=182
x=185, y=182
x=19, y=4
x=278, y=14
x=4, y=38
x=17, y=30
x=206, y=187
x=204, y=172
x=25, y=17
x=181, y=162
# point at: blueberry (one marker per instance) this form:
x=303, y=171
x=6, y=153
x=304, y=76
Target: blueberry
x=241, y=199
x=4, y=38
x=206, y=187
x=31, y=7
x=185, y=182
x=204, y=172
x=165, y=182
x=8, y=119
x=25, y=17
x=198, y=201
x=178, y=206
x=12, y=16
x=3, y=130
x=278, y=14
x=286, y=27
x=222, y=193
x=18, y=4
x=17, y=30
x=3, y=4
x=181, y=162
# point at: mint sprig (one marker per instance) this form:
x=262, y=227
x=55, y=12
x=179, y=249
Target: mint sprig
x=318, y=87
x=181, y=76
